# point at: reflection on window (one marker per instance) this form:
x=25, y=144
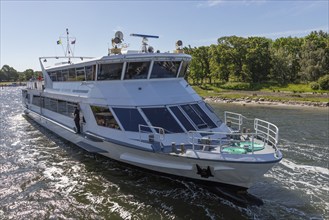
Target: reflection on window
x=194, y=116
x=111, y=71
x=137, y=70
x=65, y=75
x=130, y=119
x=161, y=117
x=62, y=109
x=59, y=75
x=203, y=115
x=180, y=116
x=53, y=105
x=104, y=117
x=80, y=74
x=59, y=106
x=90, y=72
x=72, y=75
x=165, y=69
x=53, y=76
x=183, y=69
x=36, y=100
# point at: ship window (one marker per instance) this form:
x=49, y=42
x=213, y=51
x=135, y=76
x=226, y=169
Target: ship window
x=194, y=116
x=70, y=108
x=110, y=71
x=161, y=117
x=104, y=117
x=130, y=118
x=53, y=105
x=137, y=70
x=47, y=103
x=183, y=69
x=28, y=98
x=72, y=75
x=185, y=122
x=62, y=107
x=203, y=115
x=65, y=74
x=36, y=101
x=59, y=75
x=80, y=74
x=165, y=69
x=53, y=76
x=90, y=72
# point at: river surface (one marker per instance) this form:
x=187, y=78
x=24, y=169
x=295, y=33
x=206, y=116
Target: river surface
x=43, y=176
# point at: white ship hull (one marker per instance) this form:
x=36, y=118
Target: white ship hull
x=138, y=109
x=242, y=173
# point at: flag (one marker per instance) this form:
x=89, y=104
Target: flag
x=59, y=41
x=73, y=42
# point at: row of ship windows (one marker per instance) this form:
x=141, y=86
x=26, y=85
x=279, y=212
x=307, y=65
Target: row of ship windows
x=172, y=119
x=113, y=71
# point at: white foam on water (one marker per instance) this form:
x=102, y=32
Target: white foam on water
x=308, y=182
x=121, y=211
x=304, y=168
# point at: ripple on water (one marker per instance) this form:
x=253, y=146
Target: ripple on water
x=43, y=176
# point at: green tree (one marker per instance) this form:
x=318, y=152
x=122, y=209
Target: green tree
x=233, y=54
x=288, y=51
x=29, y=74
x=258, y=59
x=314, y=56
x=8, y=74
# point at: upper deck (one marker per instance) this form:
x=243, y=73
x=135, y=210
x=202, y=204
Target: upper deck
x=119, y=64
x=136, y=66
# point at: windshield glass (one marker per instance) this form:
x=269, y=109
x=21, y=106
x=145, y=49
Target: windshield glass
x=137, y=70
x=165, y=69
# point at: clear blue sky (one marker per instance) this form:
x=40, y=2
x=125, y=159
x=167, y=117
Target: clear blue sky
x=30, y=29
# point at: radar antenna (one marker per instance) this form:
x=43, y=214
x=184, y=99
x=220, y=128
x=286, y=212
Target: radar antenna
x=145, y=37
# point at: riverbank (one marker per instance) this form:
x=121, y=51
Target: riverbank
x=269, y=98
x=261, y=101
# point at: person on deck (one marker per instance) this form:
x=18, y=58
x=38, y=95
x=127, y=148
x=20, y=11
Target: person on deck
x=77, y=119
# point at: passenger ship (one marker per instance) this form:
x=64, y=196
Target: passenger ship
x=137, y=108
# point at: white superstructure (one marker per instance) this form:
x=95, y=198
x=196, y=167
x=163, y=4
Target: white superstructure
x=137, y=108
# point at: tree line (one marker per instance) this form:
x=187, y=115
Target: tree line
x=250, y=60
x=9, y=74
x=259, y=59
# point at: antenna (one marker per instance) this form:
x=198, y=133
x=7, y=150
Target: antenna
x=68, y=52
x=116, y=43
x=119, y=35
x=179, y=47
x=144, y=41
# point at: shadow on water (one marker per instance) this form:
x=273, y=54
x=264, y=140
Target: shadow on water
x=179, y=196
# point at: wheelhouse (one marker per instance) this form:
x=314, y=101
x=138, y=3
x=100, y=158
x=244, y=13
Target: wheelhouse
x=123, y=67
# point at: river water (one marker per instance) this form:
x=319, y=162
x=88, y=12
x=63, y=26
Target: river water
x=45, y=177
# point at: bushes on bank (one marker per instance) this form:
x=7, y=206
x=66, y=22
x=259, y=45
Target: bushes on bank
x=324, y=82
x=314, y=85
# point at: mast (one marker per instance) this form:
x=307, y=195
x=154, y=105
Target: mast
x=68, y=52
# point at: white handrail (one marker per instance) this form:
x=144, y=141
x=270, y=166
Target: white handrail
x=270, y=130
x=156, y=130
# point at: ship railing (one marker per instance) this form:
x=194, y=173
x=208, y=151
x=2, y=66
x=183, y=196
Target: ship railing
x=269, y=130
x=153, y=133
x=216, y=142
x=235, y=121
x=263, y=132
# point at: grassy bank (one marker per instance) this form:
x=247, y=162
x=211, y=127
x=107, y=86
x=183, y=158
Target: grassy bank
x=290, y=92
